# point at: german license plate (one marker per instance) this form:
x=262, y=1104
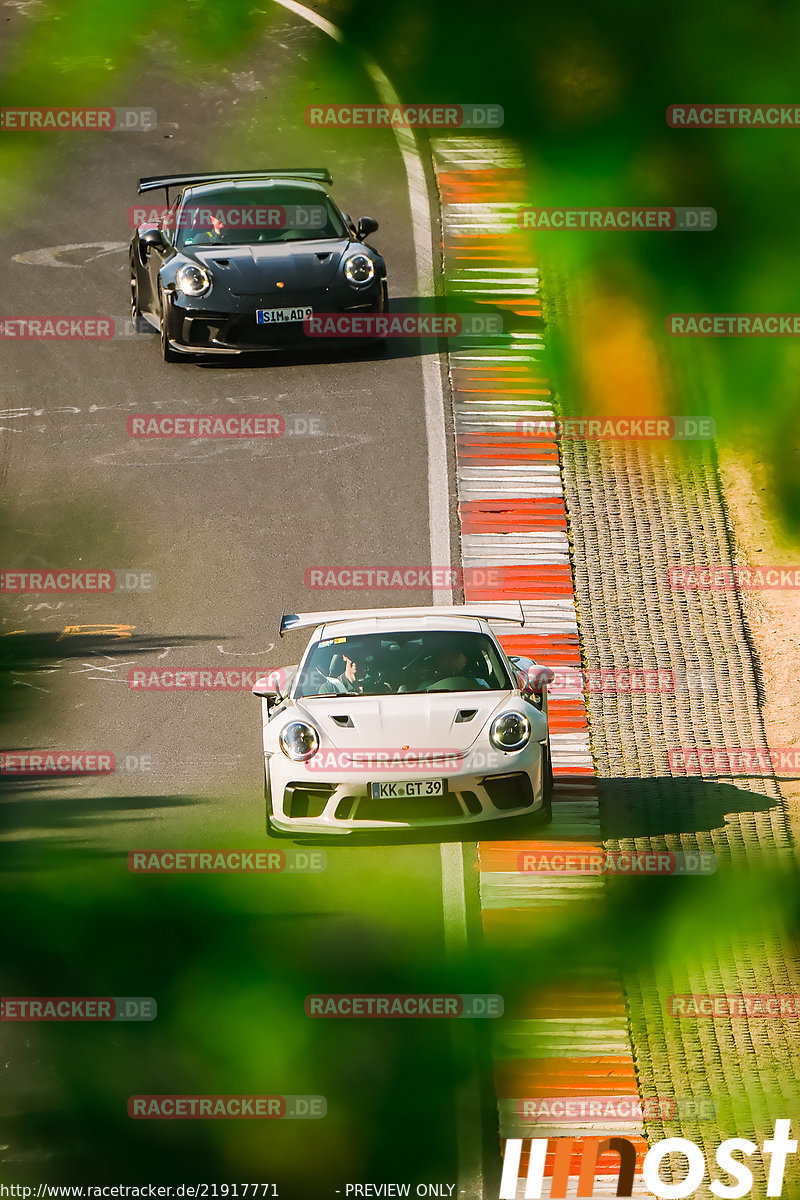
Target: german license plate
x=281, y=316
x=396, y=791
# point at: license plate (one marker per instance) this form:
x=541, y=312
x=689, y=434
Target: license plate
x=280, y=316
x=395, y=791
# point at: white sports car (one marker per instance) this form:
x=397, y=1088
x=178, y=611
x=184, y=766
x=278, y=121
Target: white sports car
x=400, y=718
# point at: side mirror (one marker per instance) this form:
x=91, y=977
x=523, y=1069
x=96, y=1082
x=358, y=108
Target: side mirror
x=536, y=680
x=366, y=226
x=267, y=689
x=152, y=238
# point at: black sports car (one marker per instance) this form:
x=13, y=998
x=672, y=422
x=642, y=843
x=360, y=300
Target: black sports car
x=239, y=261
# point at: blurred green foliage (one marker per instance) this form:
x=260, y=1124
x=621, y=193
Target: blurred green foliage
x=585, y=91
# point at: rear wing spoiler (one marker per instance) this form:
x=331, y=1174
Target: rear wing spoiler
x=501, y=610
x=151, y=183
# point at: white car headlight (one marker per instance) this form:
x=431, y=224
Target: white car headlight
x=193, y=280
x=299, y=741
x=510, y=731
x=359, y=269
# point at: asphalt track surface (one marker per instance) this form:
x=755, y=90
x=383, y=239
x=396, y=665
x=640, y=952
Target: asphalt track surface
x=228, y=528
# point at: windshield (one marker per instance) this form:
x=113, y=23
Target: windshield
x=240, y=217
x=380, y=664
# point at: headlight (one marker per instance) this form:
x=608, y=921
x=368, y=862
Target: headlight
x=510, y=731
x=192, y=280
x=299, y=741
x=359, y=269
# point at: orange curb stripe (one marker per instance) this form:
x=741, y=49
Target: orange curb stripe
x=517, y=590
x=500, y=856
x=602, y=1075
x=568, y=1072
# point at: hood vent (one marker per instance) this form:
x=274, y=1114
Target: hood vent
x=343, y=722
x=465, y=714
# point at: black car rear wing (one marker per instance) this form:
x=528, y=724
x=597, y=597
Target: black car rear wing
x=151, y=183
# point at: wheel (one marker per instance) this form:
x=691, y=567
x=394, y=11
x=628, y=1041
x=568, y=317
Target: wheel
x=167, y=353
x=137, y=320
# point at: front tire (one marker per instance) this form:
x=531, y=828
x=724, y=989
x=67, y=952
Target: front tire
x=167, y=353
x=137, y=320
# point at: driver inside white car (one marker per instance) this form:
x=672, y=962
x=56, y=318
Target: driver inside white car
x=450, y=664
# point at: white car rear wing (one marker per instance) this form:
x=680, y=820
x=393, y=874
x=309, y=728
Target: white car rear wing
x=500, y=610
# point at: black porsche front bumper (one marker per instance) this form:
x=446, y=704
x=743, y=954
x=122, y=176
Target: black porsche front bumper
x=196, y=330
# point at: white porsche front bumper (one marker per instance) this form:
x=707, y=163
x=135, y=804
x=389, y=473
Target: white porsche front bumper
x=487, y=787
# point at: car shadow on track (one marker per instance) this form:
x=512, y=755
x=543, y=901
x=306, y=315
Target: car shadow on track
x=666, y=804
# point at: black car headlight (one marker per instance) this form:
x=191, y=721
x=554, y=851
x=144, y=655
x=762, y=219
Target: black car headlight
x=193, y=280
x=359, y=269
x=299, y=741
x=510, y=731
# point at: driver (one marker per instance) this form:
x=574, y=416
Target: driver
x=200, y=233
x=451, y=663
